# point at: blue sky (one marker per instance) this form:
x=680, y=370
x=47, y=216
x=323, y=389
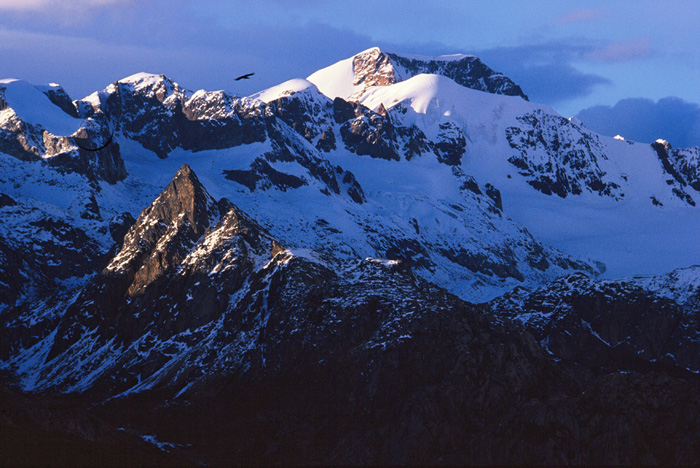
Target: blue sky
x=571, y=55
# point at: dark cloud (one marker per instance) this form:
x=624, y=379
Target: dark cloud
x=545, y=71
x=644, y=120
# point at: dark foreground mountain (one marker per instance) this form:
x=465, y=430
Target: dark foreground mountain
x=205, y=337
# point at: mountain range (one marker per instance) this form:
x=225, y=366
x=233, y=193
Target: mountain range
x=397, y=260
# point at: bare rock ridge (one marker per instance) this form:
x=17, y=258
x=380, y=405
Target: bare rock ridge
x=171, y=284
x=468, y=71
x=162, y=116
x=165, y=231
x=376, y=68
x=596, y=323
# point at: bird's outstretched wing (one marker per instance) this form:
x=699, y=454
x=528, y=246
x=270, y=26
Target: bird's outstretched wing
x=245, y=77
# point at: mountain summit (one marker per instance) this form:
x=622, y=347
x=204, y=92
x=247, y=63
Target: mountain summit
x=349, y=78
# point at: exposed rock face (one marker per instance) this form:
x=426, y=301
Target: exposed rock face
x=557, y=157
x=609, y=324
x=262, y=176
x=158, y=241
x=370, y=135
x=105, y=164
x=468, y=71
x=376, y=68
x=306, y=114
x=362, y=361
x=373, y=68
x=685, y=163
x=326, y=141
x=119, y=225
x=162, y=116
x=681, y=166
x=494, y=194
x=450, y=144
x=30, y=141
x=415, y=141
x=20, y=140
x=365, y=132
x=60, y=97
x=185, y=244
x=358, y=378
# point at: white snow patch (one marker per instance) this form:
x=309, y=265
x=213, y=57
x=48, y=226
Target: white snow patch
x=285, y=89
x=336, y=80
x=34, y=107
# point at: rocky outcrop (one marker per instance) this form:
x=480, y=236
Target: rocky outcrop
x=617, y=325
x=365, y=132
x=178, y=265
x=376, y=68
x=196, y=326
x=685, y=163
x=308, y=113
x=373, y=68
x=244, y=343
x=263, y=177
x=104, y=164
x=682, y=168
x=20, y=140
x=450, y=145
x=557, y=157
x=60, y=97
x=468, y=71
x=69, y=153
x=160, y=115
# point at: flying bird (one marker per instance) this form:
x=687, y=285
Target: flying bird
x=245, y=77
x=109, y=140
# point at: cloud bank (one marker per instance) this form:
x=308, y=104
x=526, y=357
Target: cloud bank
x=644, y=120
x=546, y=72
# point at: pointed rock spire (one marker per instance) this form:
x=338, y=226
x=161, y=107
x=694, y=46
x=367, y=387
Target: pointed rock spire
x=166, y=230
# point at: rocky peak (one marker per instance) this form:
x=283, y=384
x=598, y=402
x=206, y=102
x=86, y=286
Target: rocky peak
x=350, y=78
x=373, y=68
x=165, y=232
x=681, y=166
x=184, y=197
x=376, y=68
x=151, y=85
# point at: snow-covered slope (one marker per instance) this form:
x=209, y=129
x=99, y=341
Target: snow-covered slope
x=623, y=203
x=32, y=106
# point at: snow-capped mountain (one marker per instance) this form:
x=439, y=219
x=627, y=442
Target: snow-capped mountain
x=350, y=78
x=326, y=234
